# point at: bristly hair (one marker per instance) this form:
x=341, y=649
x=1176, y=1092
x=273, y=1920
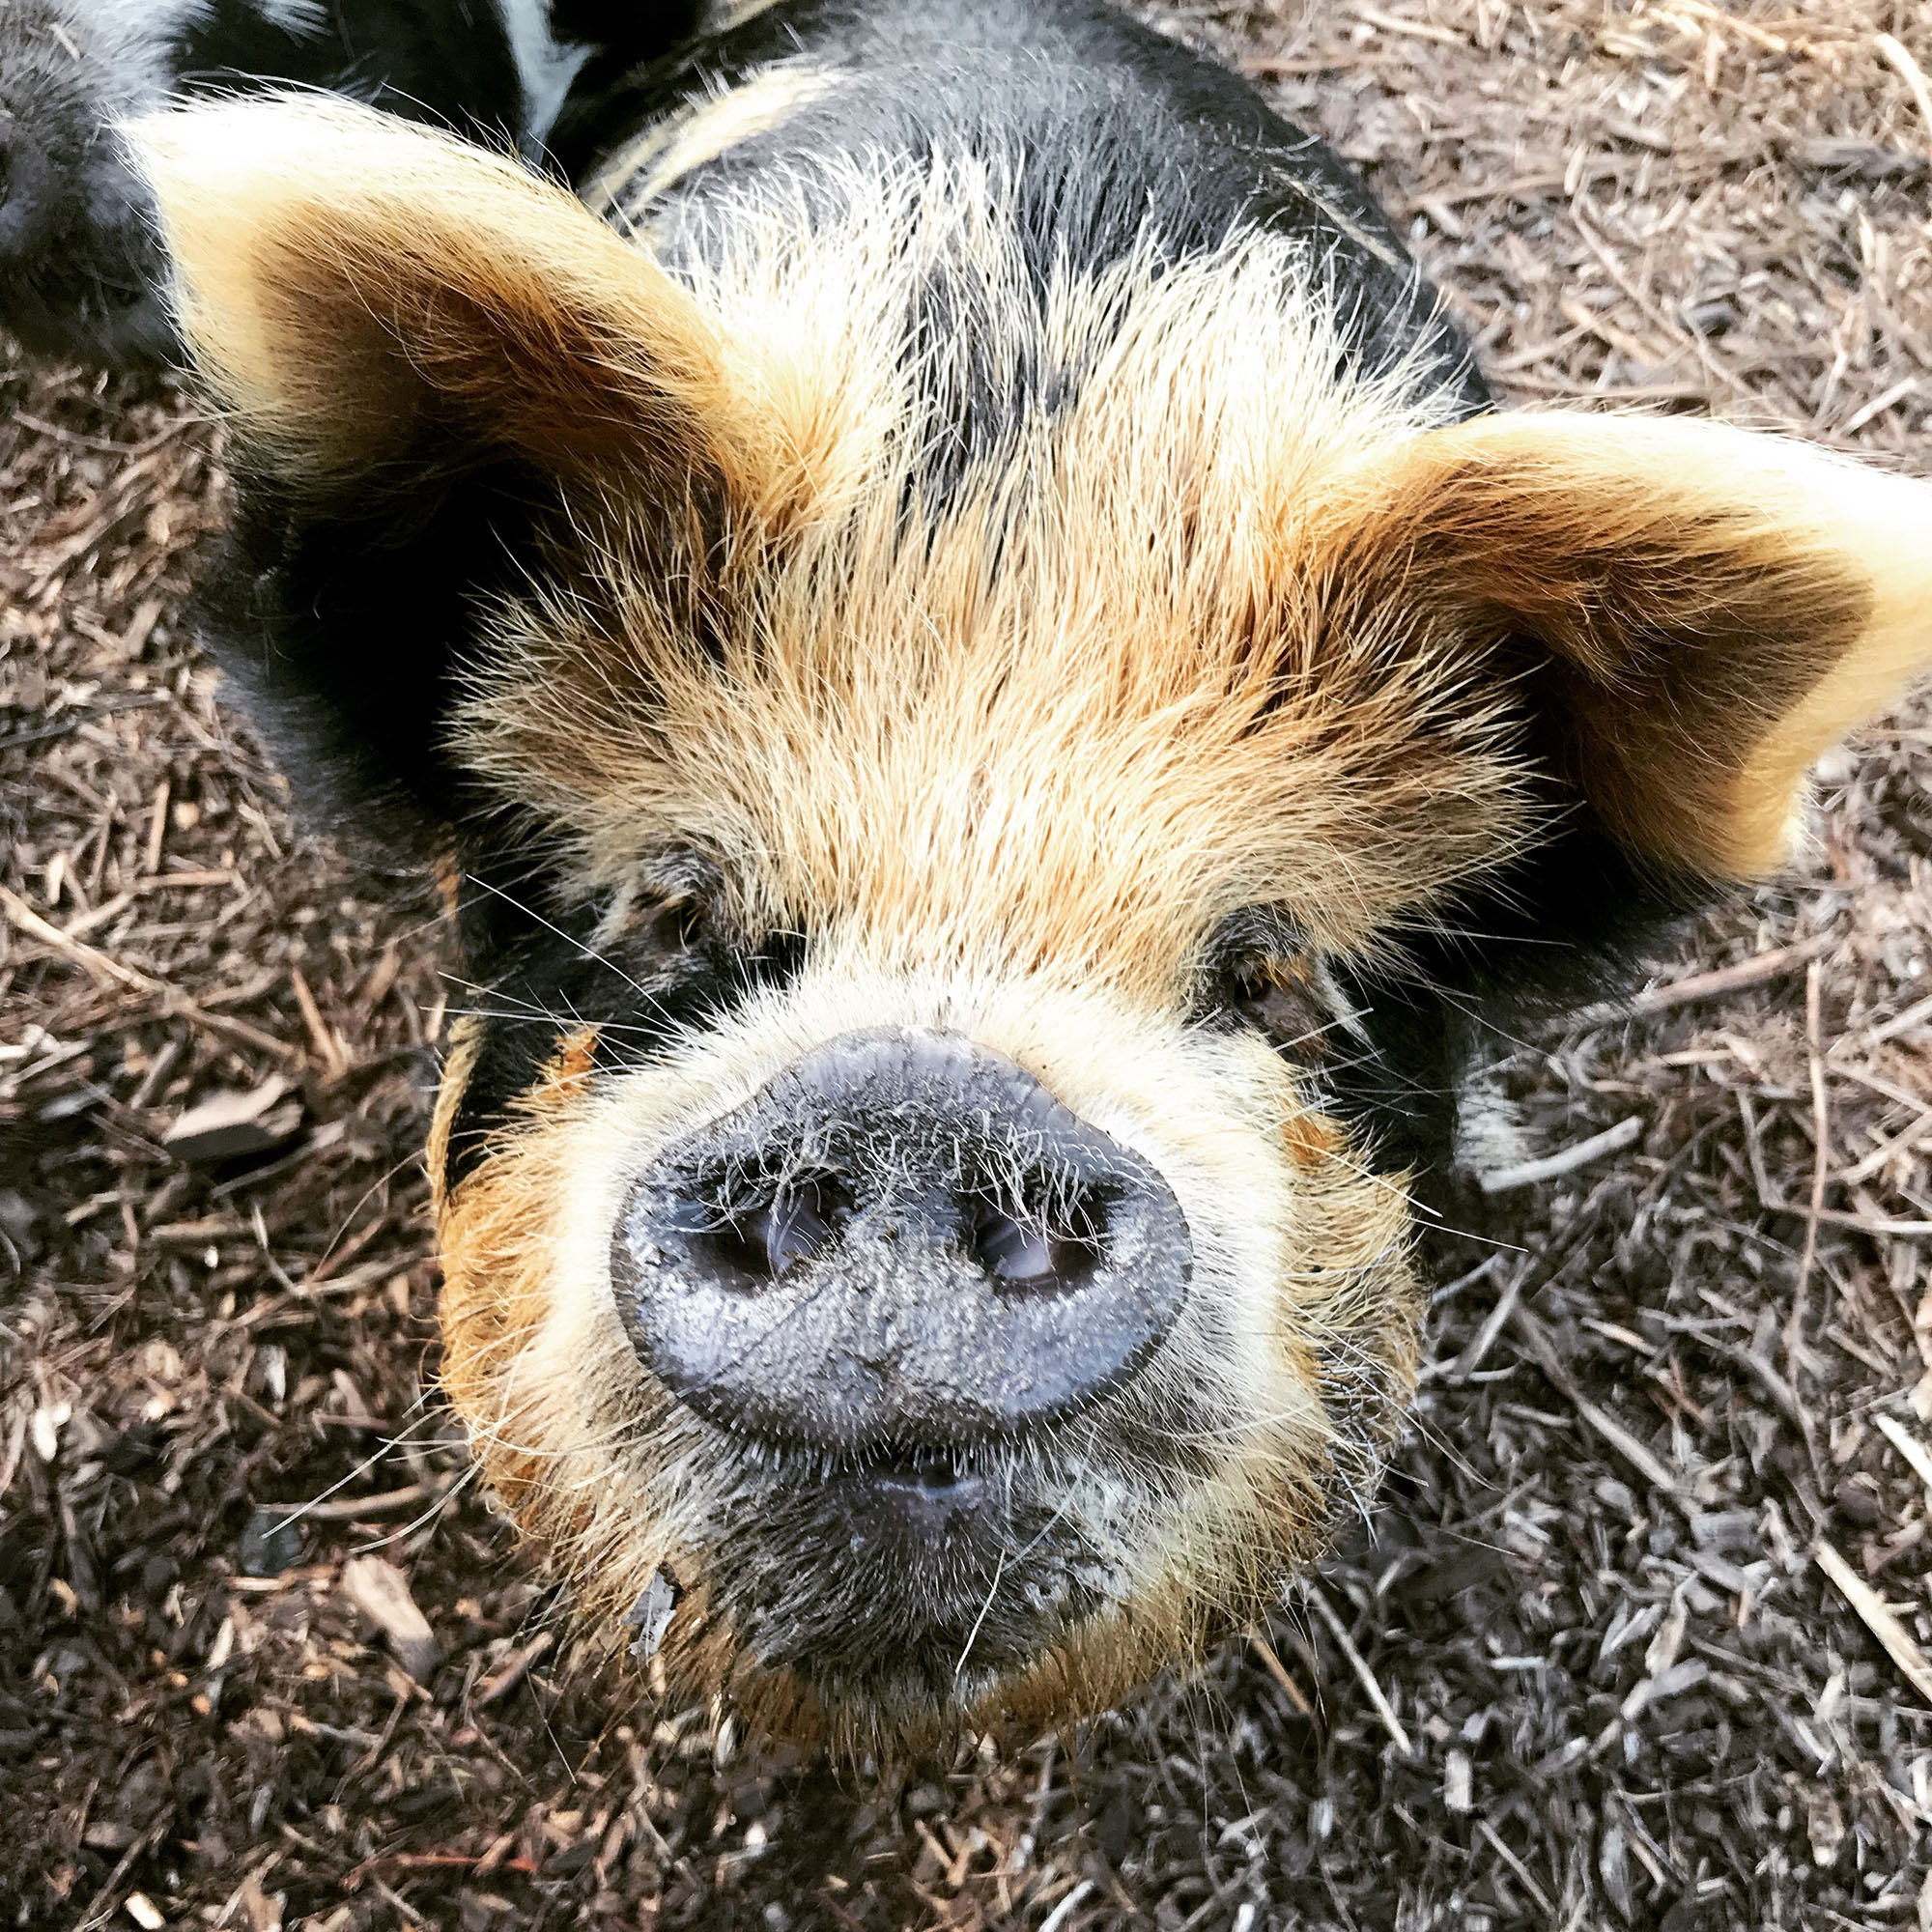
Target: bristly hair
x=1006, y=549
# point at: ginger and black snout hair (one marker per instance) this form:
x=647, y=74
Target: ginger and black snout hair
x=1001, y=704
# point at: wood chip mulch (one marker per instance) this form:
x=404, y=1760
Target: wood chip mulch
x=1638, y=1634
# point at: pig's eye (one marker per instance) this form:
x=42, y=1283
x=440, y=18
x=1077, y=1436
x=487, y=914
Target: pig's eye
x=670, y=931
x=1283, y=997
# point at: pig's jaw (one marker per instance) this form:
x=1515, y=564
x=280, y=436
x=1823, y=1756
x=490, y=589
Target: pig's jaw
x=884, y=1593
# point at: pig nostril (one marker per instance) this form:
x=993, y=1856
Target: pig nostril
x=763, y=1235
x=1038, y=1252
x=796, y=1224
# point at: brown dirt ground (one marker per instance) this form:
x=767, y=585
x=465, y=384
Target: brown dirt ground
x=1612, y=1684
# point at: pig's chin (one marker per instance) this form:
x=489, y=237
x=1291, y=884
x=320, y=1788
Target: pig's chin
x=902, y=1589
x=886, y=1604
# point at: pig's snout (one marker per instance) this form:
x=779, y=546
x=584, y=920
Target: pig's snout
x=80, y=265
x=30, y=192
x=902, y=1243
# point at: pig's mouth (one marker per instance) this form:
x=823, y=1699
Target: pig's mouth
x=904, y=1581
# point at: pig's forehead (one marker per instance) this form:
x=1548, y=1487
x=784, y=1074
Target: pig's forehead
x=1076, y=700
x=1030, y=781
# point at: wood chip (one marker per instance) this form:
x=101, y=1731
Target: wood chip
x=1639, y=1456
x=513, y=1670
x=328, y=1047
x=382, y=1593
x=1066, y=1907
x=1414, y=30
x=1910, y=1447
x=1278, y=1670
x=1912, y=73
x=1900, y=1645
x=232, y=1125
x=408, y=1500
x=1539, y=1897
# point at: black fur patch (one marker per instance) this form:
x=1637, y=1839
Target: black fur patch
x=537, y=978
x=446, y=61
x=1112, y=134
x=344, y=633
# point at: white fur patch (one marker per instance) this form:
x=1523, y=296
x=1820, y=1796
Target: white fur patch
x=1490, y=1131
x=308, y=18
x=128, y=44
x=159, y=19
x=545, y=66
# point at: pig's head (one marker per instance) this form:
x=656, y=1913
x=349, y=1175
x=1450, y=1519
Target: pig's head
x=81, y=273
x=79, y=266
x=973, y=841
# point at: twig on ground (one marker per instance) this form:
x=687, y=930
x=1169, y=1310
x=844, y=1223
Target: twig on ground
x=1366, y=1677
x=352, y=1880
x=1716, y=985
x=1580, y=1153
x=1066, y=1907
x=105, y=969
x=1918, y=1010
x=1278, y=1670
x=513, y=1670
x=1521, y=1870
x=357, y=1509
x=1612, y=1432
x=1821, y=1162
x=1898, y=1641
x=1494, y=1324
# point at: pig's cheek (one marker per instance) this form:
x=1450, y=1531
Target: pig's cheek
x=1254, y=1219
x=529, y=1342
x=1309, y=1344
x=496, y=1305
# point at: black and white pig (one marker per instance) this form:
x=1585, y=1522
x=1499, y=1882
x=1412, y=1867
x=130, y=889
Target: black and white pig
x=79, y=270
x=997, y=703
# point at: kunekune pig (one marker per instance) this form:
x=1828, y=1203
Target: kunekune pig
x=1003, y=706
x=79, y=271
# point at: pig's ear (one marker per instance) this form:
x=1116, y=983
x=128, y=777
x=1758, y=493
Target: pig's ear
x=432, y=364
x=1690, y=614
